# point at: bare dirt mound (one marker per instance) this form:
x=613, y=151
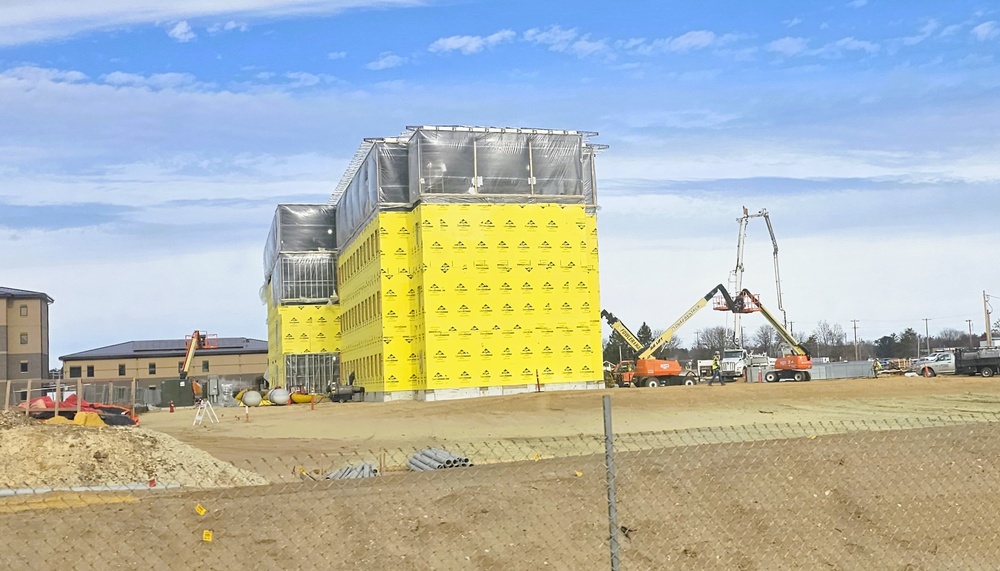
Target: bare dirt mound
x=34, y=455
x=10, y=419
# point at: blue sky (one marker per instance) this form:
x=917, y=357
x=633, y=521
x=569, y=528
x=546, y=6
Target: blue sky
x=143, y=148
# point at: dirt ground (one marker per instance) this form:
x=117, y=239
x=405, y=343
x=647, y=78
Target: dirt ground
x=818, y=475
x=61, y=456
x=345, y=428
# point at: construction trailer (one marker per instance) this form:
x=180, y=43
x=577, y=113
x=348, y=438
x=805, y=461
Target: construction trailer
x=466, y=264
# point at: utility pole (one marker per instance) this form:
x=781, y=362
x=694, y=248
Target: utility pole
x=857, y=357
x=986, y=311
x=969, y=321
x=791, y=328
x=927, y=335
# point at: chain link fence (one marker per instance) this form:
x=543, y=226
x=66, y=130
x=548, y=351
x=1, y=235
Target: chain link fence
x=908, y=494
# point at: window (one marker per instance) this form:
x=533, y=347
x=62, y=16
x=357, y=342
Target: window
x=24, y=366
x=24, y=339
x=121, y=370
x=152, y=368
x=74, y=372
x=90, y=370
x=24, y=311
x=204, y=366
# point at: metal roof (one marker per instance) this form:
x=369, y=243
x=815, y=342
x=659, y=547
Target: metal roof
x=168, y=348
x=23, y=293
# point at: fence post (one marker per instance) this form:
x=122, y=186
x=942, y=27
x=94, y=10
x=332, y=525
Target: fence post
x=6, y=396
x=609, y=461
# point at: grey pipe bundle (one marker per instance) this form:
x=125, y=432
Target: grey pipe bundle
x=363, y=470
x=436, y=459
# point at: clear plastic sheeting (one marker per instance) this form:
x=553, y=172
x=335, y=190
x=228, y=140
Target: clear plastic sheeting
x=393, y=173
x=304, y=277
x=300, y=228
x=464, y=164
x=496, y=163
x=379, y=180
x=312, y=372
x=589, y=180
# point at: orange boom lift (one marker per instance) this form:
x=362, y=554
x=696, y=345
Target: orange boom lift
x=791, y=367
x=650, y=372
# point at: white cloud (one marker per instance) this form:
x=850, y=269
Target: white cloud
x=851, y=43
x=950, y=30
x=792, y=22
x=857, y=3
x=925, y=32
x=787, y=46
x=38, y=74
x=336, y=55
x=305, y=79
x=181, y=32
x=692, y=41
x=228, y=27
x=586, y=47
x=555, y=37
x=27, y=21
x=386, y=60
x=986, y=31
x=688, y=41
x=154, y=81
x=471, y=44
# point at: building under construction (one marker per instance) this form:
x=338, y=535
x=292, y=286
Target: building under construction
x=450, y=262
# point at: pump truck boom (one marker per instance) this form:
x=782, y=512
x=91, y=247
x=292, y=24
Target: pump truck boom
x=650, y=372
x=737, y=274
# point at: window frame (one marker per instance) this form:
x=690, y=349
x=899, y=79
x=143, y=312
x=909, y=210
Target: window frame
x=24, y=310
x=121, y=369
x=152, y=368
x=24, y=338
x=75, y=372
x=90, y=371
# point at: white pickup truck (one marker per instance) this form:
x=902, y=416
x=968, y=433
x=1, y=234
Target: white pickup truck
x=985, y=362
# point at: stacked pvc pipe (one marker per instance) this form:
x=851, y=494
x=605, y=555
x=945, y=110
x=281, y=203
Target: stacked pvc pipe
x=363, y=470
x=436, y=459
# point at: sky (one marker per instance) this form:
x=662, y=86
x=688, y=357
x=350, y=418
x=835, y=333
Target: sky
x=145, y=145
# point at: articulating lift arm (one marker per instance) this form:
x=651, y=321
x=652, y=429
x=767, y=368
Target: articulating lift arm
x=797, y=348
x=622, y=330
x=666, y=336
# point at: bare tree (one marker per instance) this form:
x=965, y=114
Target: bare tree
x=830, y=341
x=765, y=340
x=711, y=339
x=668, y=347
x=951, y=338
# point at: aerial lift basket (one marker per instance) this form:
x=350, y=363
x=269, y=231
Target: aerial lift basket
x=748, y=303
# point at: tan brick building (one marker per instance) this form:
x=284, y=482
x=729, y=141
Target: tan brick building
x=24, y=334
x=237, y=363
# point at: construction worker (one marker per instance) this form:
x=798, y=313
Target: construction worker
x=876, y=367
x=716, y=374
